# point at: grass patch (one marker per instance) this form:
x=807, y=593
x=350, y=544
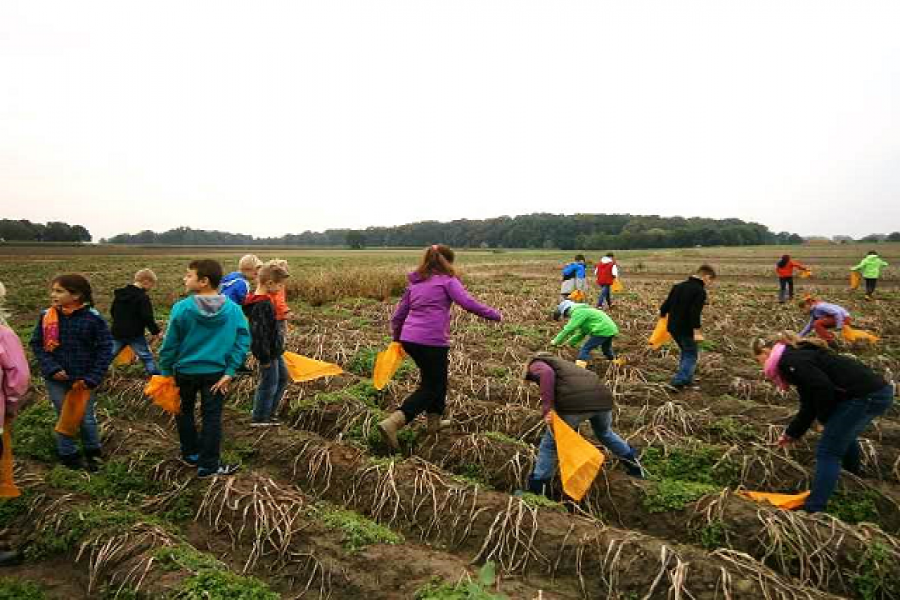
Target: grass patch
x=358, y=531
x=116, y=480
x=541, y=502
x=208, y=584
x=854, y=507
x=672, y=494
x=13, y=508
x=17, y=589
x=469, y=590
x=685, y=475
x=33, y=432
x=731, y=429
x=875, y=577
x=503, y=438
x=712, y=535
x=186, y=557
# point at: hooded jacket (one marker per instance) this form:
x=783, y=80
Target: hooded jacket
x=566, y=387
x=870, y=267
x=207, y=334
x=423, y=313
x=606, y=271
x=585, y=321
x=235, y=287
x=14, y=374
x=132, y=312
x=267, y=341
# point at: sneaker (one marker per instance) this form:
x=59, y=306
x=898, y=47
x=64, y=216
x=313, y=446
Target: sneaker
x=190, y=460
x=222, y=470
x=275, y=422
x=269, y=423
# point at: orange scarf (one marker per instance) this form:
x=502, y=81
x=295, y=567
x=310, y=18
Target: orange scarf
x=50, y=325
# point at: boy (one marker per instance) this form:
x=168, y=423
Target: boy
x=205, y=342
x=824, y=316
x=684, y=306
x=236, y=285
x=132, y=313
x=573, y=278
x=585, y=321
x=267, y=345
x=871, y=267
x=606, y=272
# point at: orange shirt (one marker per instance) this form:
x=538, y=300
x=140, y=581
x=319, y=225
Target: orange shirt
x=279, y=299
x=788, y=269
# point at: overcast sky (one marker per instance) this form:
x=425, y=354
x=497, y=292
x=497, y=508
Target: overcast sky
x=277, y=117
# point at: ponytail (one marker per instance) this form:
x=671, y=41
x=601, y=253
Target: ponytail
x=438, y=258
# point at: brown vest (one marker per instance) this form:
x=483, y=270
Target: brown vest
x=577, y=390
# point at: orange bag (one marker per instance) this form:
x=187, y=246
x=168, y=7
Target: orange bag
x=805, y=274
x=617, y=285
x=660, y=334
x=386, y=364
x=8, y=488
x=73, y=409
x=855, y=280
x=785, y=501
x=126, y=357
x=579, y=460
x=303, y=368
x=164, y=393
x=577, y=296
x=858, y=335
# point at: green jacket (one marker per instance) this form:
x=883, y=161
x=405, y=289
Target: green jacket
x=870, y=266
x=583, y=322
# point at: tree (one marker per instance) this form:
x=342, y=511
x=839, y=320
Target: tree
x=356, y=240
x=894, y=237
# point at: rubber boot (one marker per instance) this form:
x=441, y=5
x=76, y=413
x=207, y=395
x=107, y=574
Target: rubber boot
x=581, y=363
x=93, y=460
x=72, y=461
x=436, y=424
x=633, y=465
x=390, y=426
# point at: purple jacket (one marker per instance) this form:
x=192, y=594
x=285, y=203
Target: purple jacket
x=423, y=315
x=820, y=310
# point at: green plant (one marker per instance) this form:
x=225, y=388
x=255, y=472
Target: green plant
x=854, y=507
x=209, y=584
x=363, y=362
x=18, y=589
x=502, y=437
x=33, y=431
x=80, y=522
x=185, y=556
x=469, y=590
x=696, y=463
x=712, y=535
x=876, y=573
x=542, y=502
x=733, y=430
x=358, y=531
x=12, y=508
x=673, y=494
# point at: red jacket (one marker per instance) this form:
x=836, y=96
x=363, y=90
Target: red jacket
x=605, y=273
x=788, y=269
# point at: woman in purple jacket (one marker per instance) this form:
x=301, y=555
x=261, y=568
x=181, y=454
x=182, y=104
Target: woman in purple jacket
x=421, y=322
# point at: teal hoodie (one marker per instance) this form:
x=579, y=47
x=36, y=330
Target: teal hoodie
x=206, y=335
x=871, y=266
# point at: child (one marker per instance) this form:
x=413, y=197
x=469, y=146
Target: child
x=206, y=341
x=283, y=311
x=132, y=312
x=421, y=323
x=236, y=285
x=573, y=277
x=72, y=343
x=824, y=316
x=785, y=269
x=606, y=272
x=871, y=267
x=585, y=321
x=840, y=392
x=267, y=344
x=14, y=372
x=683, y=307
x=576, y=395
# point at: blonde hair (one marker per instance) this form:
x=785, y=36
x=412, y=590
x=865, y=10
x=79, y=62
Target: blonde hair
x=279, y=263
x=272, y=272
x=145, y=275
x=249, y=261
x=789, y=338
x=3, y=313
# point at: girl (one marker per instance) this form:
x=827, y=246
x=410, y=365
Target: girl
x=72, y=343
x=838, y=391
x=421, y=322
x=870, y=267
x=823, y=317
x=785, y=269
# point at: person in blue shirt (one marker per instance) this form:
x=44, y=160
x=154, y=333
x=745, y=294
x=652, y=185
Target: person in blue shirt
x=236, y=285
x=573, y=278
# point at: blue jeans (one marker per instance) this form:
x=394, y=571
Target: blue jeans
x=605, y=344
x=688, y=362
x=839, y=445
x=273, y=380
x=90, y=432
x=601, y=422
x=209, y=442
x=605, y=294
x=141, y=349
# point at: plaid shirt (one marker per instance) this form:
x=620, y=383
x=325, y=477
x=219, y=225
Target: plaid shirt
x=85, y=347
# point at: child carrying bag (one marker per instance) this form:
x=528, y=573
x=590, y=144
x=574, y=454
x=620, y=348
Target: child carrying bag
x=579, y=460
x=164, y=393
x=73, y=409
x=386, y=364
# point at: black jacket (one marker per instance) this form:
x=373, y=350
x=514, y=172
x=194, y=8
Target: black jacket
x=683, y=307
x=577, y=390
x=266, y=342
x=823, y=379
x=132, y=312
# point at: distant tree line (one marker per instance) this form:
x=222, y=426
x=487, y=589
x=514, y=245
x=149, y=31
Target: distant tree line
x=565, y=232
x=53, y=231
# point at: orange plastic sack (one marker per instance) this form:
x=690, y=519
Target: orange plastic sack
x=126, y=357
x=785, y=501
x=660, y=334
x=855, y=280
x=579, y=460
x=805, y=274
x=8, y=488
x=303, y=368
x=73, y=408
x=164, y=393
x=577, y=296
x=859, y=335
x=386, y=364
x=617, y=285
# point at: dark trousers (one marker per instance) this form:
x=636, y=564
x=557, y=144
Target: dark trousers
x=870, y=286
x=207, y=444
x=785, y=289
x=431, y=395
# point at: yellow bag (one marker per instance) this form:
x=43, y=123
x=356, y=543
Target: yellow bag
x=73, y=409
x=660, y=334
x=616, y=285
x=303, y=368
x=8, y=488
x=164, y=393
x=579, y=460
x=126, y=357
x=386, y=364
x=805, y=274
x=859, y=335
x=577, y=296
x=855, y=280
x=785, y=501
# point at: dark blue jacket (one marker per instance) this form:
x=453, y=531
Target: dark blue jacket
x=85, y=347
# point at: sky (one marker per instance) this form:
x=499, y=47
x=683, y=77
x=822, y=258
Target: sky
x=278, y=117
